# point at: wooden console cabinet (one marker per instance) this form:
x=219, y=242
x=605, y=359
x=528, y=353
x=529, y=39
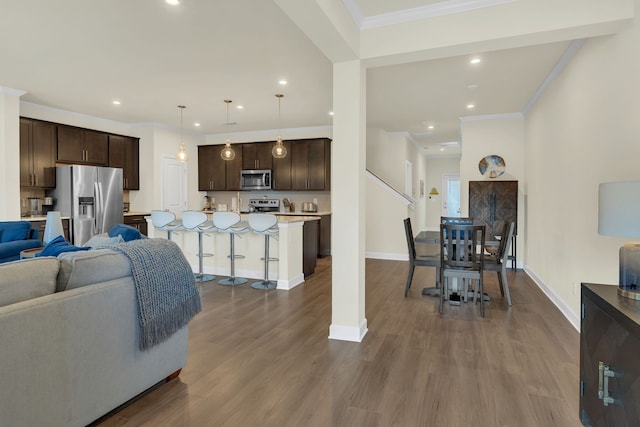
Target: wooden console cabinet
x=609, y=349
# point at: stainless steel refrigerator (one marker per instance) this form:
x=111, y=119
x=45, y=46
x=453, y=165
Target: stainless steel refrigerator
x=91, y=197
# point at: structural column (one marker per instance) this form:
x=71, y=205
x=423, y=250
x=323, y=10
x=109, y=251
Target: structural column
x=10, y=153
x=348, y=157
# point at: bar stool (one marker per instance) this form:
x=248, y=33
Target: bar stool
x=197, y=221
x=229, y=222
x=166, y=221
x=264, y=224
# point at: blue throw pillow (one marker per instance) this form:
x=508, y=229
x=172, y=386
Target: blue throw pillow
x=17, y=231
x=127, y=232
x=58, y=246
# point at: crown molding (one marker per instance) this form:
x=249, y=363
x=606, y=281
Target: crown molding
x=12, y=91
x=491, y=117
x=417, y=13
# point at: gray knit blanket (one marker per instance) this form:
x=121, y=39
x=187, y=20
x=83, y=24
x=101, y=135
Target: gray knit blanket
x=166, y=291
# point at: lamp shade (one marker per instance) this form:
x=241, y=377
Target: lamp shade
x=53, y=227
x=619, y=209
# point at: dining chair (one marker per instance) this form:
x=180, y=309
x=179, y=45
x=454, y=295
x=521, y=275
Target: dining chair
x=456, y=220
x=498, y=263
x=461, y=259
x=418, y=260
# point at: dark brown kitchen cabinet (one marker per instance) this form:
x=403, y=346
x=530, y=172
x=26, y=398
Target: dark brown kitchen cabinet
x=281, y=170
x=137, y=221
x=491, y=203
x=124, y=152
x=85, y=146
x=609, y=347
x=37, y=153
x=233, y=168
x=257, y=155
x=212, y=175
x=311, y=164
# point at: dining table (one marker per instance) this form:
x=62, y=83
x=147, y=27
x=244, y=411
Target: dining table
x=433, y=237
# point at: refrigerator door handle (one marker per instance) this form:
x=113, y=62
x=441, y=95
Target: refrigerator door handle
x=96, y=208
x=100, y=213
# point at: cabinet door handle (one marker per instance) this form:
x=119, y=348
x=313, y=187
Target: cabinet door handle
x=604, y=373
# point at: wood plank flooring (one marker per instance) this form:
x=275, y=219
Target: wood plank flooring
x=263, y=359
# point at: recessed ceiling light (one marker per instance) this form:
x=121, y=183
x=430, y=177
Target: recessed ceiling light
x=470, y=106
x=472, y=87
x=239, y=107
x=172, y=2
x=442, y=149
x=430, y=127
x=196, y=124
x=115, y=102
x=475, y=61
x=331, y=113
x=282, y=82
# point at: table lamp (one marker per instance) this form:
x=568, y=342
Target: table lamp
x=53, y=227
x=619, y=215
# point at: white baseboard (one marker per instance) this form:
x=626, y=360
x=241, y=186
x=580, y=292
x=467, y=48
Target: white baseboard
x=383, y=255
x=286, y=285
x=348, y=333
x=564, y=308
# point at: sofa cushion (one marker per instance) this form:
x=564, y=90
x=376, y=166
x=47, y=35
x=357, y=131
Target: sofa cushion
x=79, y=269
x=17, y=230
x=127, y=232
x=58, y=246
x=26, y=279
x=102, y=240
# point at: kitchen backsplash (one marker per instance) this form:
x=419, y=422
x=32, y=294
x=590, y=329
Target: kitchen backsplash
x=321, y=198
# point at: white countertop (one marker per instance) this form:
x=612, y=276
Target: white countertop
x=38, y=218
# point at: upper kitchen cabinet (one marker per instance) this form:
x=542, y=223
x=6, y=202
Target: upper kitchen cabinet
x=37, y=153
x=281, y=171
x=257, y=155
x=233, y=168
x=211, y=169
x=77, y=145
x=311, y=164
x=124, y=152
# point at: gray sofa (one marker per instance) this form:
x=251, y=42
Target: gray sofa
x=70, y=341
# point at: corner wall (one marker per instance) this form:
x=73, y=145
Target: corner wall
x=583, y=131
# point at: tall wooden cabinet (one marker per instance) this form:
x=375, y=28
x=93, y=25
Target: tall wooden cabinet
x=37, y=153
x=609, y=348
x=491, y=203
x=282, y=170
x=124, y=152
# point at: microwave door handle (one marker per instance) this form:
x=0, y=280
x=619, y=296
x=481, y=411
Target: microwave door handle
x=266, y=179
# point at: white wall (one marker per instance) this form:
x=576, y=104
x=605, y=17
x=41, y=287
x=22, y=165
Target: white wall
x=9, y=155
x=583, y=131
x=502, y=135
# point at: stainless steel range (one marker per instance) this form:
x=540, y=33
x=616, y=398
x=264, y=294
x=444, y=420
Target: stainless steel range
x=264, y=205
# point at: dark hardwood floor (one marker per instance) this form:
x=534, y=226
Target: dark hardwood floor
x=263, y=359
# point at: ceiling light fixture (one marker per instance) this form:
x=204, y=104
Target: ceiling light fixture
x=182, y=153
x=282, y=82
x=115, y=102
x=331, y=113
x=475, y=61
x=196, y=124
x=470, y=106
x=172, y=2
x=227, y=152
x=240, y=107
x=279, y=151
x=430, y=127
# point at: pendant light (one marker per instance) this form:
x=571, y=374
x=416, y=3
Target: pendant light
x=227, y=152
x=182, y=153
x=279, y=151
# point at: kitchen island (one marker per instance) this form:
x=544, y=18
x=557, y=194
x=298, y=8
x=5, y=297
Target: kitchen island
x=288, y=271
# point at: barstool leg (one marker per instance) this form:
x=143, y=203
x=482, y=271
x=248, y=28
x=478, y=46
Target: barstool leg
x=233, y=280
x=266, y=283
x=200, y=276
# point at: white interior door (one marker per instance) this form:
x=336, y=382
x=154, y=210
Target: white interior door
x=408, y=179
x=174, y=185
x=451, y=195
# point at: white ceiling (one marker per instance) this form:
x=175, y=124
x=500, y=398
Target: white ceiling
x=78, y=56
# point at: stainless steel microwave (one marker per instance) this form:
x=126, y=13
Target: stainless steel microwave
x=255, y=179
